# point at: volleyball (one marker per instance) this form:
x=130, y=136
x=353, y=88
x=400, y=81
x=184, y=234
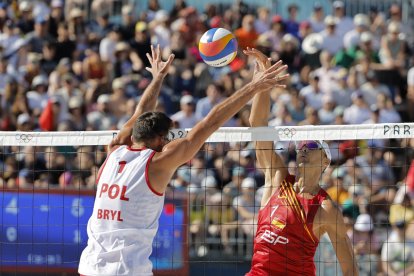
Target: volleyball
x=218, y=47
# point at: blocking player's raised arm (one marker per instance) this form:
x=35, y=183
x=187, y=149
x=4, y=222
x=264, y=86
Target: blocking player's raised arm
x=180, y=151
x=269, y=162
x=159, y=69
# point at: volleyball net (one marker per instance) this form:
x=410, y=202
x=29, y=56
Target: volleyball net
x=209, y=218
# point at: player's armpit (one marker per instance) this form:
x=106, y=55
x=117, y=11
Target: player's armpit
x=335, y=227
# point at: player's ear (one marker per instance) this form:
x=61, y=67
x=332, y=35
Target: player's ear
x=325, y=163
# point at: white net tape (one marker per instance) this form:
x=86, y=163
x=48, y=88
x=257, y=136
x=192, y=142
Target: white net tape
x=233, y=134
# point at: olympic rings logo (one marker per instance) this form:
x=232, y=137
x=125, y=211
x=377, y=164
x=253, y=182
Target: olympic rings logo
x=24, y=137
x=286, y=132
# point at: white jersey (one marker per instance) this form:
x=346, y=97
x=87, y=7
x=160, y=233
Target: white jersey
x=125, y=217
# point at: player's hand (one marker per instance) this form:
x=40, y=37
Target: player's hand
x=263, y=61
x=159, y=68
x=122, y=138
x=272, y=77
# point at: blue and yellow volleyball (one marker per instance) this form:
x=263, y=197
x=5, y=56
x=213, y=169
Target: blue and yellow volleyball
x=218, y=47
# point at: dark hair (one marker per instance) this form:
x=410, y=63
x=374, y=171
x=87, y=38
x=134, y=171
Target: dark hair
x=150, y=125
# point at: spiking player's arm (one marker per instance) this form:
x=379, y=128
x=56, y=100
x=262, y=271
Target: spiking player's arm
x=180, y=151
x=335, y=227
x=159, y=70
x=269, y=161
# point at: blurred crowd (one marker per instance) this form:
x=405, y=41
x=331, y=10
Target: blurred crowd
x=63, y=70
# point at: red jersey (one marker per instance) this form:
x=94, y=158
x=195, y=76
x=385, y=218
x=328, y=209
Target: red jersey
x=284, y=242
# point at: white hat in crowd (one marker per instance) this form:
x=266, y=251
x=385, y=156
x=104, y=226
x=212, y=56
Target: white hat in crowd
x=248, y=183
x=23, y=118
x=364, y=223
x=312, y=43
x=104, y=98
x=209, y=182
x=187, y=99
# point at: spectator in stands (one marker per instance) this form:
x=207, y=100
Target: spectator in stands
x=55, y=165
x=312, y=93
x=289, y=52
x=396, y=17
x=276, y=32
x=76, y=116
x=338, y=192
x=402, y=208
x=326, y=113
x=246, y=35
x=393, y=50
x=26, y=22
x=37, y=98
x=292, y=25
x=342, y=93
x=95, y=74
x=331, y=39
x=56, y=17
x=262, y=22
x=344, y=23
x=397, y=254
x=199, y=170
x=186, y=117
x=388, y=114
x=141, y=45
x=246, y=208
x=24, y=122
x=282, y=116
x=366, y=245
x=352, y=38
x=123, y=64
x=214, y=96
x=39, y=36
x=317, y=18
x=8, y=38
x=359, y=111
x=108, y=44
x=372, y=88
x=102, y=119
x=196, y=219
x=233, y=188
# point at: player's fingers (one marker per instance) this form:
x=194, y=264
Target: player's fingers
x=166, y=64
x=283, y=77
x=281, y=69
x=280, y=85
x=248, y=52
x=158, y=52
x=273, y=68
x=148, y=69
x=170, y=59
x=256, y=66
x=149, y=58
x=152, y=52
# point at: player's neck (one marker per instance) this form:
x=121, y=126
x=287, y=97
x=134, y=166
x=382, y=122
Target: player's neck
x=139, y=145
x=307, y=184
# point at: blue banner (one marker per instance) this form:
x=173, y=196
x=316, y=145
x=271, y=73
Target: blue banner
x=49, y=230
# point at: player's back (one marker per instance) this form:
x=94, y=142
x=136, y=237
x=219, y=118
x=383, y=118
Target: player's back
x=125, y=216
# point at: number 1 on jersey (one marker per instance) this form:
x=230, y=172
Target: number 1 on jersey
x=121, y=166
